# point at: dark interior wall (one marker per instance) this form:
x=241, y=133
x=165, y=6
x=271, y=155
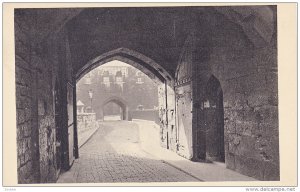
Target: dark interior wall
x=248, y=78
x=38, y=66
x=139, y=29
x=26, y=103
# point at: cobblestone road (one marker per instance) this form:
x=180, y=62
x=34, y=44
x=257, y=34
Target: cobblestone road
x=113, y=154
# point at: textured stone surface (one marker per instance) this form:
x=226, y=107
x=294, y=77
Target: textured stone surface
x=248, y=78
x=34, y=103
x=203, y=42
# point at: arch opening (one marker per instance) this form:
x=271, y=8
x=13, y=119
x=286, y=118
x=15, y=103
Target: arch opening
x=128, y=89
x=115, y=108
x=146, y=65
x=213, y=118
x=142, y=93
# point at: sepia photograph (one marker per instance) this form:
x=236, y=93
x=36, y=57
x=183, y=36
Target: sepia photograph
x=146, y=94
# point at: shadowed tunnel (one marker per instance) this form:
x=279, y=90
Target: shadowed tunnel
x=215, y=68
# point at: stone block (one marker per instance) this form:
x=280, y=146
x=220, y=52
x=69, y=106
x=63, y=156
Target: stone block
x=27, y=156
x=20, y=147
x=19, y=132
x=26, y=170
x=25, y=91
x=266, y=57
x=247, y=147
x=269, y=114
x=269, y=149
x=230, y=160
x=18, y=162
x=229, y=127
x=255, y=82
x=245, y=128
x=22, y=31
x=250, y=167
x=258, y=98
x=272, y=82
x=273, y=99
x=19, y=102
x=26, y=128
x=20, y=116
x=42, y=106
x=271, y=172
x=26, y=144
x=28, y=114
x=37, y=62
x=22, y=159
x=22, y=58
x=23, y=77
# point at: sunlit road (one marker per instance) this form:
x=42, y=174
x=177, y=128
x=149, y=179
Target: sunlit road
x=113, y=154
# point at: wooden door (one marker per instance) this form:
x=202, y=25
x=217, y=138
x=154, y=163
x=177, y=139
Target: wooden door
x=58, y=126
x=163, y=119
x=70, y=108
x=172, y=132
x=214, y=121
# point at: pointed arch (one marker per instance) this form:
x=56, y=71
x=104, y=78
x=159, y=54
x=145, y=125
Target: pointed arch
x=133, y=58
x=119, y=101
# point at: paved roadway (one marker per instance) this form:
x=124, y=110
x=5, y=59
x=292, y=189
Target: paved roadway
x=113, y=154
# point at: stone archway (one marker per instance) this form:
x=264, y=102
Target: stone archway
x=119, y=101
x=213, y=118
x=145, y=64
x=155, y=71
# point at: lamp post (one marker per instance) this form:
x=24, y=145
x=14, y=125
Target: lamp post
x=91, y=98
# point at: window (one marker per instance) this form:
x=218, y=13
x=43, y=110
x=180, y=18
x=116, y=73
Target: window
x=139, y=80
x=106, y=81
x=138, y=73
x=119, y=80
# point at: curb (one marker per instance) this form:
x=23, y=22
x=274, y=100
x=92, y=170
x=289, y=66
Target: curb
x=89, y=137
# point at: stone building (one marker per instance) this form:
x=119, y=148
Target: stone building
x=116, y=79
x=216, y=69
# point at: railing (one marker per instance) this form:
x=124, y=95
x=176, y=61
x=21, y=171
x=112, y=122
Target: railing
x=86, y=121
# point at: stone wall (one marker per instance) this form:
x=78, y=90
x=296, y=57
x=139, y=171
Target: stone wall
x=147, y=114
x=26, y=101
x=38, y=65
x=248, y=79
x=133, y=93
x=86, y=121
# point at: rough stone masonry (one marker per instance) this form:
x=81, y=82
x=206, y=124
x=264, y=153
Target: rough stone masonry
x=210, y=61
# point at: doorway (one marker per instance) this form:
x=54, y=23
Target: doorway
x=213, y=116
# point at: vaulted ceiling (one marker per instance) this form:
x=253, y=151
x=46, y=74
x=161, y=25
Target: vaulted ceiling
x=157, y=32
